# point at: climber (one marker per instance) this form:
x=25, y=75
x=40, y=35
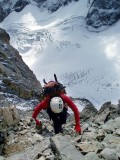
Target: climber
x=56, y=103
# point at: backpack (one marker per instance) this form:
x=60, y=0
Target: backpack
x=53, y=88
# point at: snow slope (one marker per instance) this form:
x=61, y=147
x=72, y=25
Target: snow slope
x=88, y=63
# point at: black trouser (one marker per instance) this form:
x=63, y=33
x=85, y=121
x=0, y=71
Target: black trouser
x=58, y=119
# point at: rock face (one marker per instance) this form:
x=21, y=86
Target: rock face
x=64, y=148
x=102, y=14
x=15, y=76
x=20, y=139
x=108, y=111
x=88, y=113
x=6, y=7
x=20, y=4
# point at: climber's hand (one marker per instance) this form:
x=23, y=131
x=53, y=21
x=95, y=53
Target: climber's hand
x=37, y=122
x=78, y=128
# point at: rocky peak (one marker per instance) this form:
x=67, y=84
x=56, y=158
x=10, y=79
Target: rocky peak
x=103, y=14
x=15, y=76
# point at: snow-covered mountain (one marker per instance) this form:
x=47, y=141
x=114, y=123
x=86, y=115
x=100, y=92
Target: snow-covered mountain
x=6, y=7
x=88, y=63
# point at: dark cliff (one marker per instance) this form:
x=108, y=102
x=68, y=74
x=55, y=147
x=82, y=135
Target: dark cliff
x=15, y=76
x=103, y=14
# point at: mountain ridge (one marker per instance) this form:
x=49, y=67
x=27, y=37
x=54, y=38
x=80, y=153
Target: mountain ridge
x=60, y=43
x=17, y=5
x=15, y=76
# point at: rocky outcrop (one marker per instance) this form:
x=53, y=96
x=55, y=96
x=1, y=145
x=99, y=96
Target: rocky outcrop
x=9, y=119
x=3, y=13
x=53, y=6
x=20, y=4
x=25, y=141
x=6, y=7
x=88, y=113
x=107, y=111
x=15, y=76
x=103, y=14
x=4, y=36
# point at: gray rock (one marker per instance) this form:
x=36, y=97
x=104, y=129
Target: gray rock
x=10, y=115
x=65, y=150
x=31, y=153
x=107, y=112
x=93, y=146
x=108, y=128
x=117, y=132
x=112, y=139
x=114, y=123
x=89, y=136
x=109, y=154
x=91, y=156
x=100, y=135
x=88, y=113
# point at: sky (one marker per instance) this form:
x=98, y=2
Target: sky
x=88, y=63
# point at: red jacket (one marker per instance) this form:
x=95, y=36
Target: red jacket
x=45, y=103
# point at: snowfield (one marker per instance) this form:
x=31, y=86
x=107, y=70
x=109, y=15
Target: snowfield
x=88, y=63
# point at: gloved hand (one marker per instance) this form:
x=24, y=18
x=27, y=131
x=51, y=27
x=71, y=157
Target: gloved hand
x=78, y=128
x=38, y=125
x=37, y=122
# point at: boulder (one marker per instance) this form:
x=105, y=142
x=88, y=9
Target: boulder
x=10, y=115
x=88, y=113
x=109, y=154
x=106, y=112
x=9, y=118
x=64, y=149
x=91, y=156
